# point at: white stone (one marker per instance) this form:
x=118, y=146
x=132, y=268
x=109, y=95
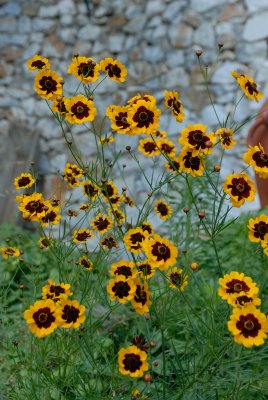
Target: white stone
x=66, y=7
x=223, y=73
x=58, y=162
x=153, y=54
x=24, y=24
x=205, y=5
x=89, y=32
x=154, y=7
x=48, y=11
x=154, y=22
x=116, y=42
x=256, y=27
x=172, y=11
x=133, y=10
x=66, y=19
x=204, y=35
x=256, y=5
x=42, y=24
x=136, y=25
x=174, y=78
x=180, y=35
x=11, y=8
x=209, y=116
x=7, y=24
x=175, y=57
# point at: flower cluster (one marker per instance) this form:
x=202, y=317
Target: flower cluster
x=54, y=310
x=248, y=325
x=258, y=231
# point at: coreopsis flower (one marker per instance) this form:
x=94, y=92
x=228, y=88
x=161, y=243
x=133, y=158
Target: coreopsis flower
x=237, y=283
x=10, y=252
x=177, y=279
x=166, y=147
x=258, y=228
x=146, y=269
x=106, y=140
x=258, y=159
x=121, y=289
x=242, y=300
x=101, y=223
x=90, y=189
x=109, y=242
x=38, y=63
x=82, y=235
x=48, y=84
x=118, y=215
x=45, y=242
x=160, y=252
x=40, y=318
x=114, y=69
x=118, y=117
x=141, y=300
x=85, y=262
x=72, y=173
x=249, y=326
x=172, y=101
x=108, y=190
x=80, y=109
x=51, y=216
x=33, y=207
x=24, y=181
x=173, y=165
x=240, y=188
x=163, y=209
x=84, y=207
x=225, y=136
x=195, y=137
x=70, y=314
x=132, y=361
x=143, y=117
x=159, y=134
x=134, y=239
x=146, y=97
x=136, y=395
x=248, y=86
x=191, y=161
x=59, y=105
x=149, y=147
x=56, y=291
x=147, y=226
x=123, y=268
x=85, y=69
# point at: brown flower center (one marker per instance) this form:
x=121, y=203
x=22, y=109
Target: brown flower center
x=132, y=362
x=249, y=325
x=70, y=314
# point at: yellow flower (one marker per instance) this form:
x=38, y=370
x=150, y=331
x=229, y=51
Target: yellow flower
x=59, y=105
x=45, y=242
x=108, y=190
x=123, y=268
x=41, y=318
x=121, y=289
x=132, y=361
x=249, y=326
x=48, y=84
x=106, y=140
x=101, y=223
x=163, y=209
x=242, y=300
x=177, y=279
x=147, y=226
x=10, y=252
x=72, y=173
x=118, y=117
x=226, y=137
x=160, y=252
x=240, y=188
x=80, y=109
x=82, y=235
x=115, y=70
x=56, y=291
x=85, y=69
x=90, y=189
x=195, y=137
x=33, y=207
x=149, y=147
x=24, y=181
x=173, y=165
x=191, y=162
x=141, y=300
x=258, y=228
x=237, y=283
x=248, y=86
x=109, y=242
x=146, y=269
x=143, y=117
x=166, y=147
x=85, y=262
x=172, y=101
x=134, y=239
x=70, y=314
x=51, y=216
x=256, y=157
x=38, y=62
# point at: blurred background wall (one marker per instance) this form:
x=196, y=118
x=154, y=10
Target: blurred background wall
x=155, y=39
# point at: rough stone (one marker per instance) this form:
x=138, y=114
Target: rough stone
x=172, y=11
x=205, y=5
x=256, y=5
x=24, y=24
x=192, y=18
x=204, y=35
x=175, y=58
x=42, y=24
x=116, y=42
x=89, y=32
x=12, y=8
x=180, y=35
x=7, y=24
x=223, y=73
x=230, y=11
x=256, y=27
x=136, y=25
x=209, y=116
x=174, y=78
x=154, y=7
x=48, y=11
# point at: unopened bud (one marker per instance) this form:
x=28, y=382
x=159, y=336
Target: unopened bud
x=155, y=364
x=152, y=343
x=186, y=210
x=216, y=168
x=184, y=251
x=147, y=378
x=128, y=148
x=220, y=45
x=199, y=53
x=147, y=316
x=194, y=266
x=21, y=260
x=201, y=214
x=21, y=286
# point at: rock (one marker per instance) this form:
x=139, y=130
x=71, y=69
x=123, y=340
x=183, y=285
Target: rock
x=154, y=7
x=7, y=24
x=205, y=5
x=209, y=116
x=180, y=35
x=256, y=5
x=256, y=27
x=58, y=162
x=43, y=24
x=133, y=10
x=24, y=24
x=116, y=42
x=223, y=73
x=30, y=10
x=11, y=8
x=246, y=51
x=153, y=54
x=89, y=32
x=230, y=11
x=136, y=25
x=48, y=11
x=66, y=19
x=14, y=39
x=175, y=57
x=115, y=22
x=174, y=79
x=154, y=22
x=172, y=11
x=3, y=70
x=192, y=18
x=204, y=35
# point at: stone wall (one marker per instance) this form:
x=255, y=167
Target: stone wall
x=156, y=39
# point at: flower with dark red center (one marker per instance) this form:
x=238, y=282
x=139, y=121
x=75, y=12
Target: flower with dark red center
x=85, y=262
x=33, y=207
x=177, y=279
x=85, y=69
x=146, y=269
x=121, y=289
x=41, y=318
x=258, y=159
x=24, y=181
x=143, y=117
x=115, y=70
x=149, y=147
x=163, y=209
x=191, y=162
x=56, y=291
x=37, y=63
x=80, y=109
x=225, y=136
x=118, y=117
x=160, y=252
x=109, y=242
x=101, y=223
x=140, y=342
x=59, y=105
x=70, y=314
x=248, y=326
x=132, y=361
x=123, y=268
x=45, y=242
x=172, y=101
x=195, y=137
x=238, y=284
x=141, y=300
x=173, y=165
x=240, y=188
x=10, y=252
x=48, y=84
x=248, y=85
x=82, y=235
x=258, y=228
x=134, y=239
x=147, y=226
